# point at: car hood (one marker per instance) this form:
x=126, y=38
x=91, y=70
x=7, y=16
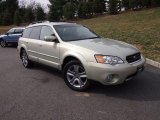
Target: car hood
x=1, y=36
x=107, y=47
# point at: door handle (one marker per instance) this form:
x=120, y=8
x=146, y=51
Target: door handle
x=40, y=45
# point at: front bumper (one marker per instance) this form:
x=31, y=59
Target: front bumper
x=113, y=75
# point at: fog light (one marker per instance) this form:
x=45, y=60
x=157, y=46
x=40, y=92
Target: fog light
x=109, y=78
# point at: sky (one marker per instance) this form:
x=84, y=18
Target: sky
x=43, y=2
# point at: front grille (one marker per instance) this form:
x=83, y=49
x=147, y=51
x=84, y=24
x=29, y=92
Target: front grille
x=133, y=58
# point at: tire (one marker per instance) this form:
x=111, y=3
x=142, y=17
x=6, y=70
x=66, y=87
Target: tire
x=25, y=60
x=75, y=76
x=3, y=44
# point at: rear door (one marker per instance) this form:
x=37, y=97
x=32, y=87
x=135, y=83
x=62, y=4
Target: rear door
x=33, y=43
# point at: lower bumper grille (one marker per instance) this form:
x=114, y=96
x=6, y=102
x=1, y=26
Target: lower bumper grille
x=133, y=58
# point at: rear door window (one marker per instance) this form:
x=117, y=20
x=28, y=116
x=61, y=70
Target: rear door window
x=35, y=34
x=18, y=31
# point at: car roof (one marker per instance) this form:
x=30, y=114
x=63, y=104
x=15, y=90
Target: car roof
x=18, y=28
x=49, y=23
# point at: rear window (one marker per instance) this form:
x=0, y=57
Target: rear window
x=27, y=33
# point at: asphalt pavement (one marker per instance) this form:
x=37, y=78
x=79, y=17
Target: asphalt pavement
x=41, y=94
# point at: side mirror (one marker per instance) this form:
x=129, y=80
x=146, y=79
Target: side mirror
x=50, y=38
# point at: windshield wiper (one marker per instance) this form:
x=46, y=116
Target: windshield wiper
x=93, y=37
x=83, y=39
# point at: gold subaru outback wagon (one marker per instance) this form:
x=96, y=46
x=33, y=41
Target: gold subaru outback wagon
x=80, y=54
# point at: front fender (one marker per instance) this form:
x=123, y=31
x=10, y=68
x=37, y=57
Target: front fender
x=76, y=55
x=3, y=37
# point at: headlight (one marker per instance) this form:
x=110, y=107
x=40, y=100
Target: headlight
x=106, y=59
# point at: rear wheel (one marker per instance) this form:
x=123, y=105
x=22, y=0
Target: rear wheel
x=75, y=76
x=3, y=44
x=25, y=60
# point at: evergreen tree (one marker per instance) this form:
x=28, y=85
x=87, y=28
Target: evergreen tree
x=3, y=6
x=89, y=9
x=125, y=4
x=2, y=10
x=69, y=10
x=134, y=4
x=17, y=19
x=146, y=3
x=56, y=9
x=99, y=6
x=119, y=5
x=11, y=6
x=155, y=3
x=29, y=14
x=1, y=16
x=80, y=14
x=22, y=11
x=6, y=20
x=82, y=10
x=113, y=6
x=39, y=13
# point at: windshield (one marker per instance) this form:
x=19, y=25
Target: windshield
x=11, y=31
x=75, y=32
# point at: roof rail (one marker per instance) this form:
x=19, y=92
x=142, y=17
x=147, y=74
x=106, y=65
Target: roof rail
x=39, y=22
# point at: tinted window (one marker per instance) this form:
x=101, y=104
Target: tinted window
x=46, y=31
x=27, y=32
x=35, y=32
x=18, y=30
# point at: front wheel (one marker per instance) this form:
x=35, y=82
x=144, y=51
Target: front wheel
x=75, y=76
x=3, y=44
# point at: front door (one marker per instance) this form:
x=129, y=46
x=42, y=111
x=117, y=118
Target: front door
x=49, y=50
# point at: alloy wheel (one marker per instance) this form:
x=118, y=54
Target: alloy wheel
x=76, y=76
x=25, y=59
x=3, y=43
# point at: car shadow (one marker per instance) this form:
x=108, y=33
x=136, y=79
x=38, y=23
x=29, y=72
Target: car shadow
x=145, y=87
x=11, y=46
x=47, y=69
